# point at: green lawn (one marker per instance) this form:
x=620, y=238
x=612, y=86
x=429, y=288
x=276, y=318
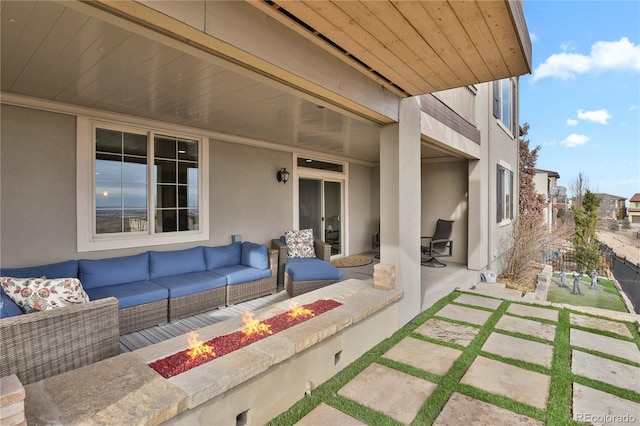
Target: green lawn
x=605, y=297
x=558, y=411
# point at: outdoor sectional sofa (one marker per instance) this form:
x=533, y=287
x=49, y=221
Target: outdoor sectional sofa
x=159, y=286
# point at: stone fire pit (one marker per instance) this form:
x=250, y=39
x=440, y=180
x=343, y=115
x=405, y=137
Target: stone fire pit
x=248, y=386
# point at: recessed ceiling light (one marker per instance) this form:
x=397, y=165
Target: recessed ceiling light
x=12, y=20
x=100, y=49
x=308, y=160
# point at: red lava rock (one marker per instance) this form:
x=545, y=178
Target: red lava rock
x=222, y=345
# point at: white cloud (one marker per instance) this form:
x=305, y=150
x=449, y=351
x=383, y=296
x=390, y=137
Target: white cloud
x=572, y=122
x=601, y=116
x=533, y=37
x=574, y=140
x=604, y=56
x=633, y=107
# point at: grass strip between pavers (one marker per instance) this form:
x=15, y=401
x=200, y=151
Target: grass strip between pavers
x=559, y=403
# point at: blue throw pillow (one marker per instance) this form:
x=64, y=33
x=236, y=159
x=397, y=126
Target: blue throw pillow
x=219, y=257
x=176, y=262
x=254, y=255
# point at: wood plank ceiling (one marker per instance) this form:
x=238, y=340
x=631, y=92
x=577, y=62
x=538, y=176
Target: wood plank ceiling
x=416, y=47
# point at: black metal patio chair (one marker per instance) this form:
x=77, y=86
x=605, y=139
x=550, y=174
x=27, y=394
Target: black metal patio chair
x=438, y=245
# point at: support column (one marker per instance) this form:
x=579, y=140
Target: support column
x=400, y=204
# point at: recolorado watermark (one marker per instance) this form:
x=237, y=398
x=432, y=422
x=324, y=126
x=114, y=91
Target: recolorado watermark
x=604, y=418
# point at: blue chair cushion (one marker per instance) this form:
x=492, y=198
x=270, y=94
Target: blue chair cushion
x=219, y=257
x=254, y=255
x=238, y=274
x=192, y=282
x=9, y=308
x=114, y=271
x=66, y=269
x=311, y=269
x=131, y=294
x=176, y=262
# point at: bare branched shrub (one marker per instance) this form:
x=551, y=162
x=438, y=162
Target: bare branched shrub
x=532, y=241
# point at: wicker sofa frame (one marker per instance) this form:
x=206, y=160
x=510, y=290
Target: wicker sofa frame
x=143, y=316
x=295, y=288
x=43, y=344
x=237, y=293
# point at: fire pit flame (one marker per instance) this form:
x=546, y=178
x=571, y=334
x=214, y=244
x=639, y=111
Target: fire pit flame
x=296, y=311
x=198, y=349
x=252, y=327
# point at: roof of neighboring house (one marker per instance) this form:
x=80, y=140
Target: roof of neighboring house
x=549, y=172
x=601, y=194
x=636, y=197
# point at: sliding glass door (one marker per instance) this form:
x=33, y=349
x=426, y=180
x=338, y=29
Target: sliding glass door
x=320, y=208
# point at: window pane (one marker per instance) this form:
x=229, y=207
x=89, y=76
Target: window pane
x=135, y=144
x=108, y=195
x=166, y=221
x=108, y=167
x=185, y=171
x=166, y=196
x=188, y=150
x=193, y=220
x=165, y=147
x=165, y=171
x=134, y=195
x=182, y=196
x=506, y=103
x=108, y=221
x=135, y=220
x=108, y=141
x=134, y=169
x=183, y=220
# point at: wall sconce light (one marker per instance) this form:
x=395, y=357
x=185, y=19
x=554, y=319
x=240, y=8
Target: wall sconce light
x=282, y=175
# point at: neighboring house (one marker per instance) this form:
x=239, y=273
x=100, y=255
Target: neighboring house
x=135, y=126
x=611, y=206
x=634, y=210
x=546, y=183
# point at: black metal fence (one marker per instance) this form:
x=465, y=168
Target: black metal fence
x=628, y=276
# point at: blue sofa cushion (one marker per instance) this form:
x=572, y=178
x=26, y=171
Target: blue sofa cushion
x=114, y=271
x=254, y=255
x=130, y=294
x=176, y=262
x=66, y=269
x=219, y=257
x=192, y=282
x=311, y=269
x=238, y=274
x=8, y=308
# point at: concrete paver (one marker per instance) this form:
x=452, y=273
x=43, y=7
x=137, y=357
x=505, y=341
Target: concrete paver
x=462, y=313
x=528, y=327
x=465, y=410
x=608, y=345
x=605, y=370
x=516, y=348
x=600, y=324
x=600, y=408
x=448, y=331
x=533, y=311
x=326, y=415
x=427, y=356
x=392, y=392
x=507, y=380
x=485, y=302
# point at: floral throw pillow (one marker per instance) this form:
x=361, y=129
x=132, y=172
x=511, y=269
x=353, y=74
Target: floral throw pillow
x=300, y=243
x=41, y=294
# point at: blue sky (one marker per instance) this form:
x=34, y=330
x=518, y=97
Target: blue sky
x=582, y=100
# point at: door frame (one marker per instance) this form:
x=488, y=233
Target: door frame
x=324, y=175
